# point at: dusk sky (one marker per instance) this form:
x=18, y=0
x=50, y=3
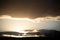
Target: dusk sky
x=46, y=13
x=30, y=8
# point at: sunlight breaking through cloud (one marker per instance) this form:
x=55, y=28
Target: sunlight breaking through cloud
x=10, y=23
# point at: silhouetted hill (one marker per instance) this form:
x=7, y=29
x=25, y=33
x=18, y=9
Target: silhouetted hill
x=50, y=33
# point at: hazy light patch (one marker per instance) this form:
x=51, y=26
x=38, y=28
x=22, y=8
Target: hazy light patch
x=9, y=23
x=17, y=24
x=5, y=16
x=12, y=18
x=36, y=20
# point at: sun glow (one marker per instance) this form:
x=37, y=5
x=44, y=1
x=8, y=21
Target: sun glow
x=17, y=24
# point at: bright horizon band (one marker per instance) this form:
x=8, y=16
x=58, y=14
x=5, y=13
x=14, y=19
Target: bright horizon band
x=8, y=23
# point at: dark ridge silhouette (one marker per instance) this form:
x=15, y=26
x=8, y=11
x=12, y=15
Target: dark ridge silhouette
x=50, y=33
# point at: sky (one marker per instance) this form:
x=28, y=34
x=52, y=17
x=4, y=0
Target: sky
x=30, y=8
x=36, y=9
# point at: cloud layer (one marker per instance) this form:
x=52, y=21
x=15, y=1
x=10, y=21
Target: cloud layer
x=36, y=19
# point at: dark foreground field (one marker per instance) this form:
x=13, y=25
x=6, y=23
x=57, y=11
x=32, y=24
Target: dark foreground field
x=30, y=38
x=50, y=34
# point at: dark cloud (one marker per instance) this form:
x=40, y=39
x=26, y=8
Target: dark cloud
x=30, y=8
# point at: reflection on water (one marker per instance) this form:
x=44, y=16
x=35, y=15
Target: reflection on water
x=31, y=33
x=20, y=36
x=26, y=33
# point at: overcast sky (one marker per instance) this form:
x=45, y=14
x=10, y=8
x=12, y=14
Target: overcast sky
x=30, y=8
